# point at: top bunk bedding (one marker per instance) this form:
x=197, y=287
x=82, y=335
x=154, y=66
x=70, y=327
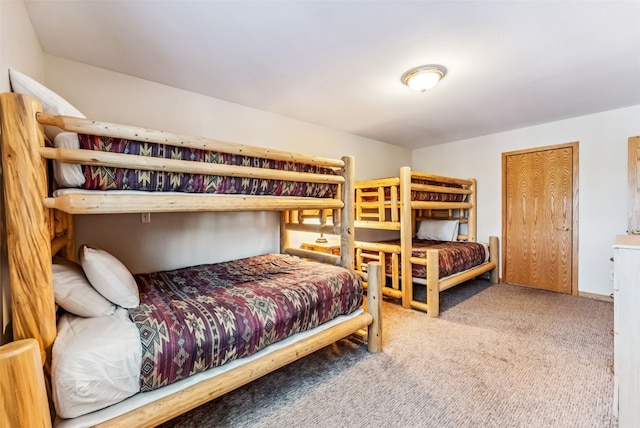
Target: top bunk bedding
x=432, y=189
x=100, y=177
x=394, y=203
x=102, y=157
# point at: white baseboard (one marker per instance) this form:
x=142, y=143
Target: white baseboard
x=596, y=296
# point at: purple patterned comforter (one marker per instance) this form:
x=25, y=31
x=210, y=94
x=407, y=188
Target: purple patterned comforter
x=107, y=178
x=196, y=318
x=421, y=195
x=453, y=257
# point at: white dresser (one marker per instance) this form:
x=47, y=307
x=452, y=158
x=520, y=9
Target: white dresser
x=626, y=326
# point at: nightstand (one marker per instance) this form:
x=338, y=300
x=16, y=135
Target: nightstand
x=330, y=247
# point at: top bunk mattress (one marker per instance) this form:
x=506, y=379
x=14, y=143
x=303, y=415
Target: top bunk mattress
x=96, y=177
x=446, y=192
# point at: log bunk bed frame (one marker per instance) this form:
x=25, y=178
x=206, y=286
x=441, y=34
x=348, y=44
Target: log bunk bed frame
x=39, y=226
x=387, y=204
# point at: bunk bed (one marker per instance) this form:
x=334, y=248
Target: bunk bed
x=39, y=226
x=435, y=217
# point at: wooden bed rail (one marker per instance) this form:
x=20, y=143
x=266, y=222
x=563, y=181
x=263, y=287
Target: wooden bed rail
x=314, y=255
x=367, y=252
x=105, y=203
x=130, y=161
x=86, y=126
x=441, y=179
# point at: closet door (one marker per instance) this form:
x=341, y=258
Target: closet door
x=540, y=212
x=633, y=199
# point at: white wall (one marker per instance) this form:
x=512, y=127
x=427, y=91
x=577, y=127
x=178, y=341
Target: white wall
x=19, y=48
x=175, y=240
x=602, y=197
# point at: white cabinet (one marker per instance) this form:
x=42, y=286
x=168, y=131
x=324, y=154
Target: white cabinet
x=626, y=326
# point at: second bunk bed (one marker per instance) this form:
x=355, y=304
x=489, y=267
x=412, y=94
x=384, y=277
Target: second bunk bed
x=436, y=218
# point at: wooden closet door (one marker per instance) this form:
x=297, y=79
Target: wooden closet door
x=633, y=198
x=540, y=218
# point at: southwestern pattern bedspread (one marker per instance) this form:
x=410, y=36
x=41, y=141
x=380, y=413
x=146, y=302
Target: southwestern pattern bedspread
x=107, y=178
x=200, y=317
x=454, y=256
x=421, y=195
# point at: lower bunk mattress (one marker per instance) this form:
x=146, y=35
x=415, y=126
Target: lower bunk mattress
x=190, y=320
x=453, y=256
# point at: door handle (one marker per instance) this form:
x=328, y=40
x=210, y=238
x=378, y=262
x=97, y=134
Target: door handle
x=563, y=228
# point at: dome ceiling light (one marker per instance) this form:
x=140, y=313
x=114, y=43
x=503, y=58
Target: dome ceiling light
x=423, y=77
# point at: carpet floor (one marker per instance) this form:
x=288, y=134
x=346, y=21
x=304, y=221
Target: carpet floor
x=498, y=356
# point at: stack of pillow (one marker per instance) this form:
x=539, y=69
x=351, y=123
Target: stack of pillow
x=96, y=286
x=97, y=353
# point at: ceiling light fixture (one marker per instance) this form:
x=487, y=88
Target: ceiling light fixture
x=423, y=77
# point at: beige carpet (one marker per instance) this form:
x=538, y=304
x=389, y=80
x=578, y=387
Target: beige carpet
x=498, y=356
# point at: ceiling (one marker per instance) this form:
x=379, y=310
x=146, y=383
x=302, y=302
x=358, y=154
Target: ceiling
x=338, y=64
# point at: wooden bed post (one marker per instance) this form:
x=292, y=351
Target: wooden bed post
x=472, y=220
x=494, y=256
x=284, y=231
x=347, y=239
x=433, y=283
x=28, y=235
x=406, y=237
x=374, y=306
x=23, y=395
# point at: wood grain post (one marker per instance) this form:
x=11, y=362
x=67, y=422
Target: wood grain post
x=494, y=256
x=347, y=239
x=406, y=230
x=433, y=286
x=284, y=231
x=374, y=306
x=28, y=235
x=23, y=399
x=472, y=219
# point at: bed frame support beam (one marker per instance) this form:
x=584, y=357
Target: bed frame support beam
x=374, y=306
x=406, y=236
x=29, y=251
x=33, y=310
x=347, y=238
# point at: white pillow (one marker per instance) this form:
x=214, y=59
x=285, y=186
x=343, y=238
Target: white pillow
x=73, y=292
x=52, y=103
x=109, y=277
x=438, y=230
x=67, y=174
x=95, y=363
